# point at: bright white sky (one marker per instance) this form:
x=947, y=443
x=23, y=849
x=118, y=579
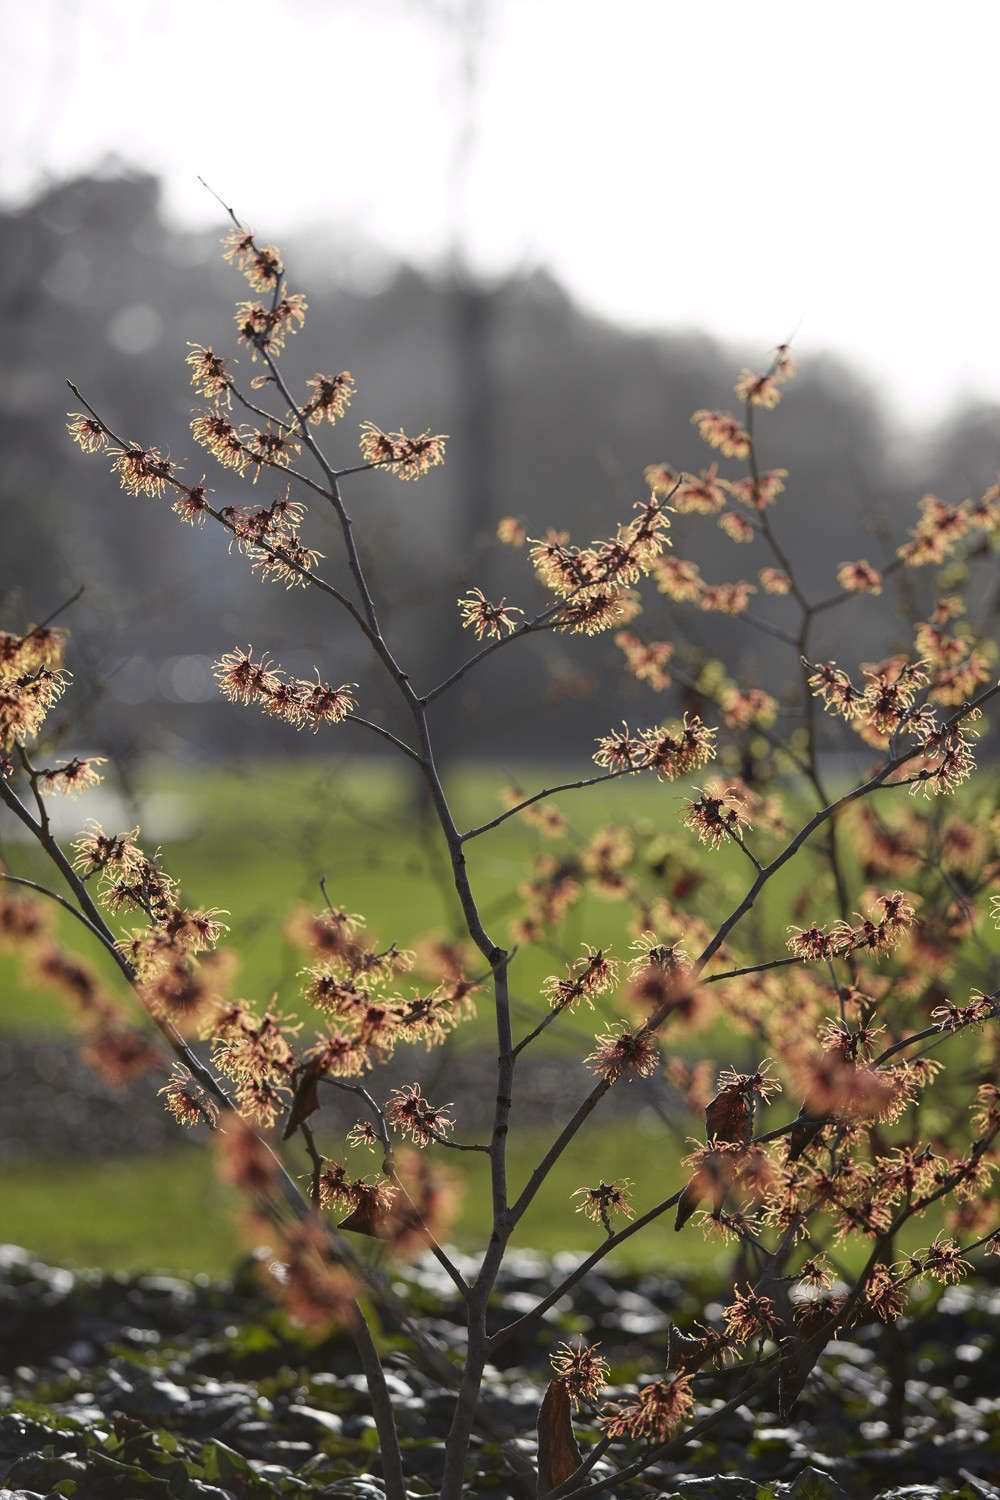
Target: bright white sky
x=743, y=168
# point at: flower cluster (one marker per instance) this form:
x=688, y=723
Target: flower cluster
x=750, y=1316
x=593, y=582
x=269, y=536
x=544, y=815
x=187, y=1101
x=936, y=534
x=606, y=1201
x=593, y=974
x=294, y=700
x=255, y=1051
x=210, y=375
x=404, y=457
x=331, y=397
x=670, y=751
x=646, y=660
x=878, y=932
x=488, y=619
x=623, y=1053
x=32, y=679
x=261, y=265
x=415, y=1117
x=651, y=1415
x=581, y=1369
x=348, y=982
x=859, y=577
x=264, y=328
x=720, y=429
x=116, y=1048
x=72, y=777
x=718, y=814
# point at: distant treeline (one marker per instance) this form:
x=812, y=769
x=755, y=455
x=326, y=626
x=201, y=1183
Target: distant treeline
x=553, y=415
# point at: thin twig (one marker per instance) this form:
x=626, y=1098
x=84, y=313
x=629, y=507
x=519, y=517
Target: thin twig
x=566, y=786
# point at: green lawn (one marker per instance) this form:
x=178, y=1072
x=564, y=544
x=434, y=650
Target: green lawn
x=257, y=840
x=170, y=1212
x=260, y=837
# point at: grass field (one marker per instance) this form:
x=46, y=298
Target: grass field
x=171, y=1212
x=256, y=839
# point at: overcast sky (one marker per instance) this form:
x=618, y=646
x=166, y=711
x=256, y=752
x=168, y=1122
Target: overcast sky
x=752, y=170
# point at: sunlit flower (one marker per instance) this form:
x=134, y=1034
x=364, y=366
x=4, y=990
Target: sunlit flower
x=581, y=1369
x=774, y=581
x=646, y=661
x=743, y=707
x=214, y=431
x=262, y=267
x=950, y=1017
x=331, y=396
x=237, y=246
x=621, y=751
x=736, y=527
x=606, y=1201
x=264, y=328
x=943, y=1261
x=488, y=619
x=784, y=367
x=511, y=532
x=590, y=975
x=404, y=457
x=661, y=479
x=679, y=749
x=72, y=777
x=187, y=1101
x=758, y=390
x=653, y=1414
x=86, y=431
x=813, y=942
x=834, y=686
x=297, y=701
x=726, y=598
x=117, y=854
x=596, y=609
x=141, y=471
x=751, y=1315
x=705, y=495
x=623, y=1053
x=266, y=448
x=815, y=1272
x=759, y=492
x=717, y=815
x=939, y=528
x=883, y=1299
x=190, y=504
x=415, y=1117
x=721, y=430
x=209, y=375
x=677, y=578
x=319, y=703
x=243, y=680
x=859, y=577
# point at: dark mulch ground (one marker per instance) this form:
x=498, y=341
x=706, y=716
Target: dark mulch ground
x=123, y=1386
